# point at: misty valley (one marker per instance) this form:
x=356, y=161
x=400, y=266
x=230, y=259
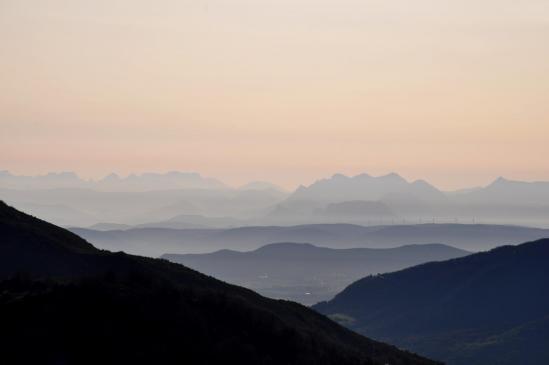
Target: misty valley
x=192, y=251
x=305, y=273
x=274, y=182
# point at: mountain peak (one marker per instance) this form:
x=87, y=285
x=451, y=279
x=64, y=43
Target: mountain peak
x=392, y=176
x=363, y=187
x=111, y=177
x=501, y=180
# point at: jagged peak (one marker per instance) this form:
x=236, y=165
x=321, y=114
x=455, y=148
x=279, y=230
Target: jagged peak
x=500, y=181
x=392, y=176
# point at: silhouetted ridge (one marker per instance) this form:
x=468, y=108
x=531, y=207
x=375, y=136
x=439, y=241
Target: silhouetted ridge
x=453, y=310
x=64, y=302
x=16, y=225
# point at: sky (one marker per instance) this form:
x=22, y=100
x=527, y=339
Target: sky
x=454, y=92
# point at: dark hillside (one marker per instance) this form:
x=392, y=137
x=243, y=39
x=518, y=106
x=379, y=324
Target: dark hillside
x=73, y=304
x=456, y=310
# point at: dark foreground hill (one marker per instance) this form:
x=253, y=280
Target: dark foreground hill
x=306, y=273
x=486, y=308
x=64, y=302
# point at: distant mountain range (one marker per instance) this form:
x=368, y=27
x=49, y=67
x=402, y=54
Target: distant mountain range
x=340, y=188
x=148, y=181
x=306, y=273
x=157, y=241
x=86, y=207
x=142, y=182
x=503, y=201
x=504, y=191
x=486, y=308
x=150, y=198
x=62, y=301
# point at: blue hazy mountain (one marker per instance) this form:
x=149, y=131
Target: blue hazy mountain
x=306, y=273
x=158, y=241
x=486, y=308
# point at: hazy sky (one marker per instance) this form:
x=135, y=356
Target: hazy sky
x=456, y=92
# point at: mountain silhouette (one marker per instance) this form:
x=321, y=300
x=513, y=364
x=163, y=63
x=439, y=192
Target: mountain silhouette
x=469, y=237
x=505, y=191
x=153, y=199
x=62, y=301
x=486, y=308
x=112, y=182
x=306, y=273
x=341, y=188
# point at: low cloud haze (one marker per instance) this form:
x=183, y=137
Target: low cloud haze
x=179, y=200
